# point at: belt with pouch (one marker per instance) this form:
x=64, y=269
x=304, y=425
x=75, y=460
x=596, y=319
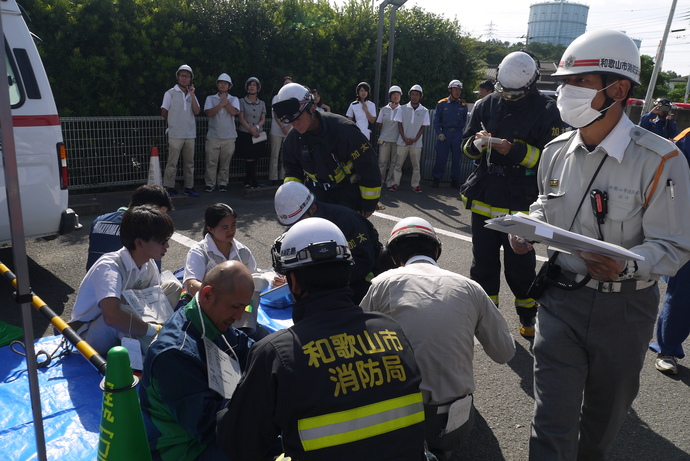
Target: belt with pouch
x=452, y=130
x=445, y=408
x=625, y=286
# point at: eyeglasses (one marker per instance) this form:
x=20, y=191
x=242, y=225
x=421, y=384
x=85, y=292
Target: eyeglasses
x=163, y=243
x=184, y=76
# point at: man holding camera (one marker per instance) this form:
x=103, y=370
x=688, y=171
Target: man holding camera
x=660, y=119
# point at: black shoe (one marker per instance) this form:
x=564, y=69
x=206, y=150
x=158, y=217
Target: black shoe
x=256, y=185
x=434, y=184
x=247, y=185
x=455, y=184
x=222, y=188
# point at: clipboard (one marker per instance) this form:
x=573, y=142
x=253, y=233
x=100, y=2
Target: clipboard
x=556, y=237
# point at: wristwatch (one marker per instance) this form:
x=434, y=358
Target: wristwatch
x=629, y=271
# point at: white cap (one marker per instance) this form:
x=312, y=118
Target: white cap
x=291, y=201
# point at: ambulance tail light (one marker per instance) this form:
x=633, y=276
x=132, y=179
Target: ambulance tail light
x=62, y=158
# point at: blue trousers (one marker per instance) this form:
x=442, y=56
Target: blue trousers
x=673, y=326
x=453, y=143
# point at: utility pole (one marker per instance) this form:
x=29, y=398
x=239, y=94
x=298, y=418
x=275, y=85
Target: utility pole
x=659, y=61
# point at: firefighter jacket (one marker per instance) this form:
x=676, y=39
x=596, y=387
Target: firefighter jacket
x=506, y=184
x=340, y=384
x=337, y=163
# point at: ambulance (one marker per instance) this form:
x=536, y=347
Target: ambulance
x=40, y=151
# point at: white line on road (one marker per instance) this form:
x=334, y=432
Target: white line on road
x=441, y=231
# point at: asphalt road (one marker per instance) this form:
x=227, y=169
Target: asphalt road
x=657, y=427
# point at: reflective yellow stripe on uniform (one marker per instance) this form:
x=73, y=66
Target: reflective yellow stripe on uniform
x=293, y=178
x=370, y=193
x=360, y=423
x=526, y=302
x=531, y=157
x=487, y=210
x=467, y=149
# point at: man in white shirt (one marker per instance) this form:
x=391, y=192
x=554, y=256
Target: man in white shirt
x=440, y=312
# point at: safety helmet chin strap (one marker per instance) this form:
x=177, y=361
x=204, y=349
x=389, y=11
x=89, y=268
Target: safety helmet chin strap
x=299, y=295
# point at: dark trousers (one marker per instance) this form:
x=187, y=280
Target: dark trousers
x=519, y=270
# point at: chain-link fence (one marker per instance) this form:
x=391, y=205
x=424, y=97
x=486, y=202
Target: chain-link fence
x=115, y=151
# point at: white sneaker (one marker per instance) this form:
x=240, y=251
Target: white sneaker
x=666, y=364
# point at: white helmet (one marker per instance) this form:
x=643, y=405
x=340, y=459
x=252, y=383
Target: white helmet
x=393, y=89
x=293, y=99
x=601, y=51
x=416, y=88
x=224, y=78
x=413, y=227
x=291, y=201
x=516, y=73
x=252, y=79
x=455, y=84
x=184, y=67
x=308, y=242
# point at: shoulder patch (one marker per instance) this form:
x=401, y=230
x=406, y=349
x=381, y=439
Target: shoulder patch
x=562, y=137
x=651, y=141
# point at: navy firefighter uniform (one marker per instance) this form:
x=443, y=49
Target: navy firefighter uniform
x=337, y=163
x=340, y=384
x=506, y=184
x=450, y=118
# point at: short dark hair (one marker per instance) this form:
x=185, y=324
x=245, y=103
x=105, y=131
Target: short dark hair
x=488, y=85
x=215, y=213
x=145, y=222
x=151, y=194
x=403, y=248
x=325, y=276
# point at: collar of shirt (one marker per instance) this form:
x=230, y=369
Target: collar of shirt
x=192, y=310
x=178, y=88
x=614, y=143
x=128, y=261
x=421, y=259
x=211, y=247
x=249, y=101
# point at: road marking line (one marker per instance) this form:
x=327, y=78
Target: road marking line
x=183, y=240
x=442, y=231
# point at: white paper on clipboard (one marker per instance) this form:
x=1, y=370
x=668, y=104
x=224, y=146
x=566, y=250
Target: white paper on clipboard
x=529, y=228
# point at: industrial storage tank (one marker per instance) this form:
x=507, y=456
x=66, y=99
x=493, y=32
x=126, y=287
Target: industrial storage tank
x=558, y=22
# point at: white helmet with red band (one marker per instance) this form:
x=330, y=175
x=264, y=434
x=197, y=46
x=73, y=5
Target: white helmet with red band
x=599, y=52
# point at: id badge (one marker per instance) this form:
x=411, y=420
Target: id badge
x=223, y=371
x=133, y=347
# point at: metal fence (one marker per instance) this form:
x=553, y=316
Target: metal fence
x=115, y=151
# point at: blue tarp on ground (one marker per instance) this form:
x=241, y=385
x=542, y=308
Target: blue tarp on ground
x=71, y=399
x=71, y=404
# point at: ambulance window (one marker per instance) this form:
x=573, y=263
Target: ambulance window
x=15, y=93
x=27, y=72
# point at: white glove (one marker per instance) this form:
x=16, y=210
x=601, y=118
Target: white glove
x=442, y=137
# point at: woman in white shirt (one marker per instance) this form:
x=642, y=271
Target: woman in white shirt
x=218, y=245
x=362, y=111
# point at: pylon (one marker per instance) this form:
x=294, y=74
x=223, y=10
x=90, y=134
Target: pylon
x=155, y=168
x=122, y=434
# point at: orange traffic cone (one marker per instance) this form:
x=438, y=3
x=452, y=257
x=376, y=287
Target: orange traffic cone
x=155, y=168
x=122, y=434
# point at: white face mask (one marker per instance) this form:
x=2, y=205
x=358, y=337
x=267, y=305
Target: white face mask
x=575, y=105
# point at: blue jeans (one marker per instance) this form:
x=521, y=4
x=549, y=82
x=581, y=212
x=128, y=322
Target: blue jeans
x=673, y=326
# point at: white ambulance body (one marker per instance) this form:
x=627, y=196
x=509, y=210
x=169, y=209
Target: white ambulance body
x=40, y=152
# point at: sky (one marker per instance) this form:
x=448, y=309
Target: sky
x=506, y=20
